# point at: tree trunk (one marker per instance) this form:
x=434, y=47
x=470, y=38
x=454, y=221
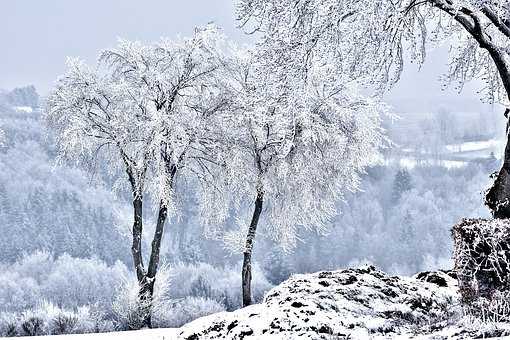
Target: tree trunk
x=145, y=294
x=147, y=284
x=498, y=196
x=146, y=280
x=246, y=273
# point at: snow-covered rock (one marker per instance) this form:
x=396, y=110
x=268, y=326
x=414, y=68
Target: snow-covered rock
x=345, y=304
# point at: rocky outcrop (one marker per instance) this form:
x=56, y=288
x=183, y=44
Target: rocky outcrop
x=345, y=304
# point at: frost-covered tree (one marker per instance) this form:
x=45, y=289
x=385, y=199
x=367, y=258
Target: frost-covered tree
x=23, y=96
x=293, y=147
x=401, y=184
x=371, y=39
x=144, y=111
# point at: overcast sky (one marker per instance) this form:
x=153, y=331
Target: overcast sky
x=37, y=35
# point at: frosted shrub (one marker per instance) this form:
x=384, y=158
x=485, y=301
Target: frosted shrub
x=64, y=323
x=482, y=263
x=18, y=293
x=64, y=281
x=38, y=321
x=180, y=312
x=46, y=319
x=493, y=310
x=37, y=265
x=32, y=325
x=82, y=281
x=8, y=324
x=482, y=258
x=127, y=307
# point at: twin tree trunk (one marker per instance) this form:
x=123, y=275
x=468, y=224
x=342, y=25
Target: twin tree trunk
x=147, y=277
x=246, y=273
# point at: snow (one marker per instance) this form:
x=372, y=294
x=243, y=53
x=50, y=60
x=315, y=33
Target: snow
x=145, y=334
x=23, y=109
x=474, y=146
x=452, y=155
x=362, y=303
x=356, y=303
x=409, y=162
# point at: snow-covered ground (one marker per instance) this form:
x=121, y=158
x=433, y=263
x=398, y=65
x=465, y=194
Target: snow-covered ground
x=452, y=156
x=362, y=303
x=146, y=334
x=409, y=162
x=492, y=145
x=23, y=109
x=358, y=303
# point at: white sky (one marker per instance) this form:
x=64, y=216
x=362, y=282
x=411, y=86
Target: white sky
x=37, y=35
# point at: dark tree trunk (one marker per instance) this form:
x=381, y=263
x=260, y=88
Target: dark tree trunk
x=246, y=273
x=149, y=279
x=136, y=247
x=498, y=196
x=146, y=280
x=145, y=292
x=145, y=295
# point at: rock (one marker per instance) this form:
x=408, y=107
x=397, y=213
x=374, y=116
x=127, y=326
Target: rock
x=345, y=304
x=441, y=278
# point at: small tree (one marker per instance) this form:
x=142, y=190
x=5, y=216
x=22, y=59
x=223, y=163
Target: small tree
x=401, y=184
x=143, y=110
x=292, y=148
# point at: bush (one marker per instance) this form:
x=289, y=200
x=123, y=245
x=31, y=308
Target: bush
x=482, y=257
x=66, y=281
x=127, y=308
x=108, y=295
x=180, y=312
x=64, y=323
x=48, y=319
x=8, y=325
x=482, y=263
x=32, y=325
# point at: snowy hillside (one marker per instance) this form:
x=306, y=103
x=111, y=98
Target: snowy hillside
x=362, y=303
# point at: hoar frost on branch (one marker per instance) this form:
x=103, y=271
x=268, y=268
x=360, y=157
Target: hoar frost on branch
x=292, y=147
x=145, y=110
x=369, y=40
x=247, y=128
